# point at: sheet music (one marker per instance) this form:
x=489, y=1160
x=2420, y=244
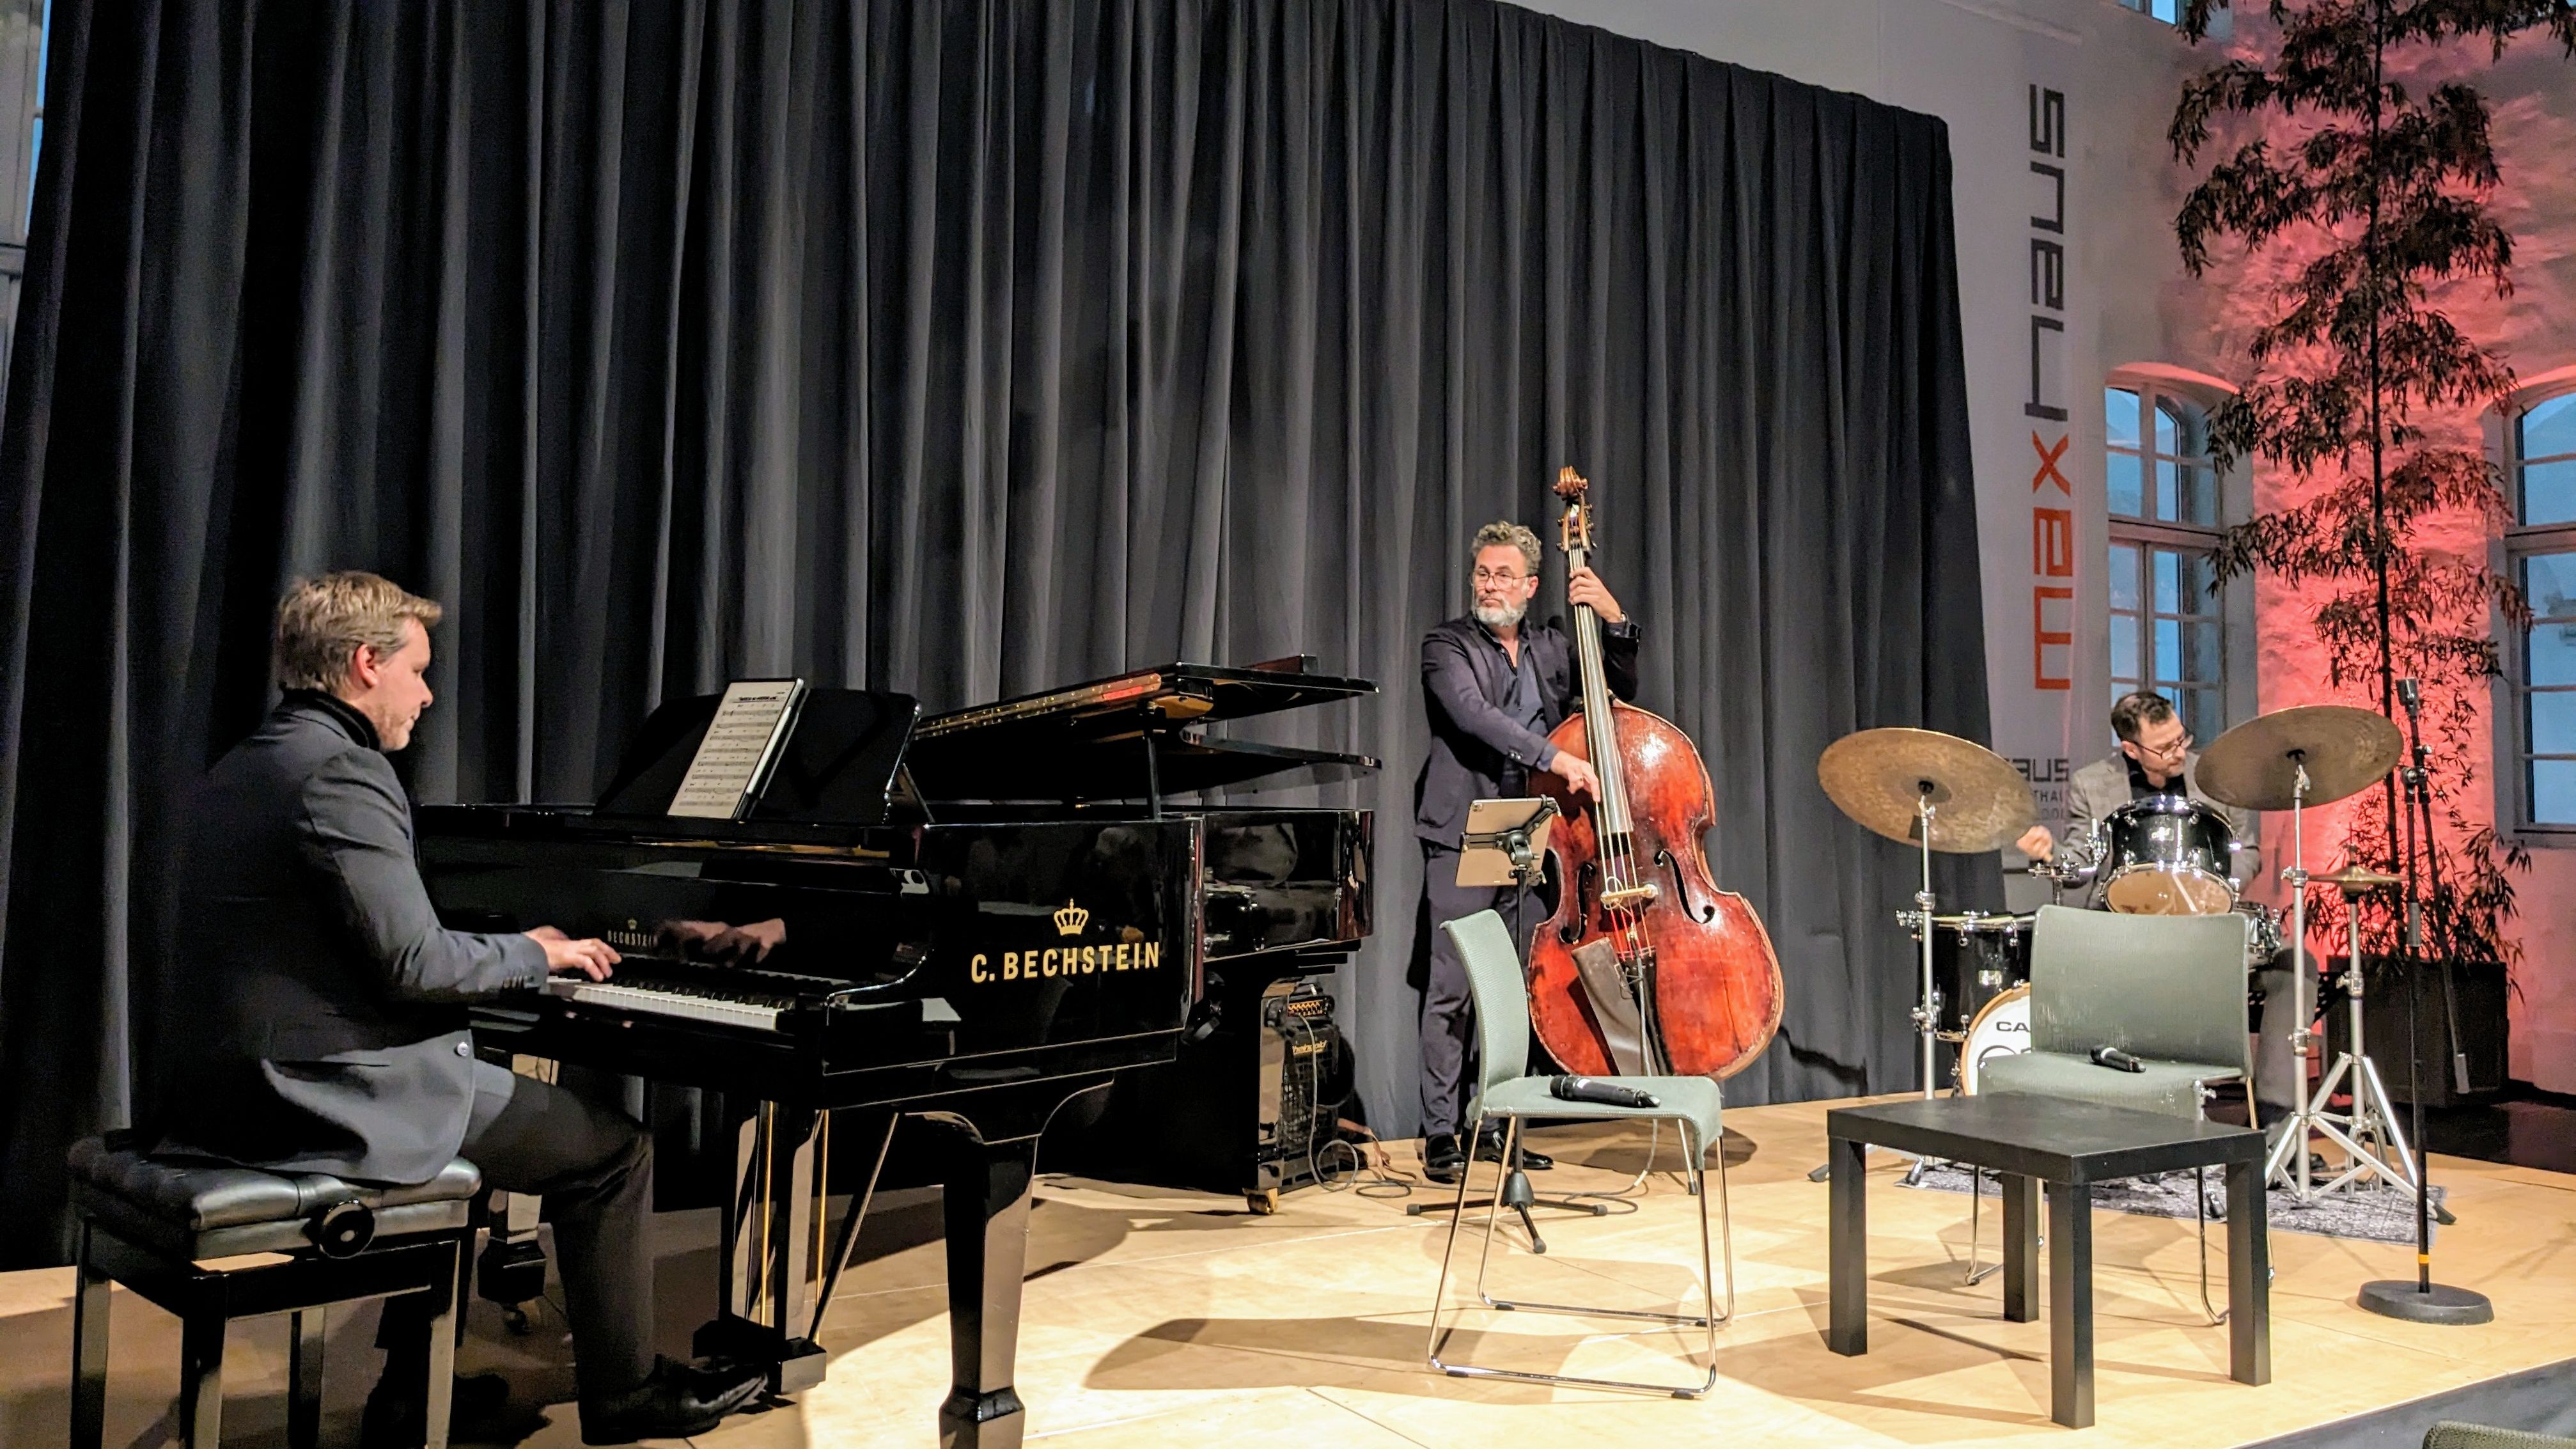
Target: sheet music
x=747, y=729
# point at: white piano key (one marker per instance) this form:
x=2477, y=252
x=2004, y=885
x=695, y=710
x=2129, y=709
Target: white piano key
x=665, y=1003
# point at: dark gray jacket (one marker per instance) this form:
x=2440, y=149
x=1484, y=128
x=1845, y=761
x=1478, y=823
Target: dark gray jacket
x=320, y=1022
x=1473, y=742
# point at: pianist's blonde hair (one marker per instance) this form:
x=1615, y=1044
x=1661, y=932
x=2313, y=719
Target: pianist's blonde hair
x=321, y=622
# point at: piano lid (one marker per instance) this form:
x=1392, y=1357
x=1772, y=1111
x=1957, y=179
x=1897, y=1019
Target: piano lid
x=1088, y=741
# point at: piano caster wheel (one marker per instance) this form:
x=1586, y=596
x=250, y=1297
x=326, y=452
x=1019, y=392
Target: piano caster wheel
x=1263, y=1201
x=515, y=1319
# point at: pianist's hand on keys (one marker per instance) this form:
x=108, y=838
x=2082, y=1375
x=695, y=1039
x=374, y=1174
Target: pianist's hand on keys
x=567, y=957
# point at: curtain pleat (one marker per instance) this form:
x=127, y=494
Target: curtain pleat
x=963, y=349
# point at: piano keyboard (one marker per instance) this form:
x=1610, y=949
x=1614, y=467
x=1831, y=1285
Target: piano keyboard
x=694, y=1004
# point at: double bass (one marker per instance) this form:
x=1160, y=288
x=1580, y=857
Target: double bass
x=1636, y=908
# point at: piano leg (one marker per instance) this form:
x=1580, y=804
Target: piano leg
x=988, y=1240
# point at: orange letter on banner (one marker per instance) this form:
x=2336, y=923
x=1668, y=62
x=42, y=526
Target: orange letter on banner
x=2042, y=638
x=2052, y=542
x=2048, y=457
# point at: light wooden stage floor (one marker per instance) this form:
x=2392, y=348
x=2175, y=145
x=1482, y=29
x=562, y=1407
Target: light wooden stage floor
x=1159, y=1318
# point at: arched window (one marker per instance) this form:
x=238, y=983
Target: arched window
x=2168, y=630
x=2541, y=547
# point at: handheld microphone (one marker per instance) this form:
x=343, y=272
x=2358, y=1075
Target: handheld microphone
x=1607, y=1094
x=2410, y=694
x=2116, y=1059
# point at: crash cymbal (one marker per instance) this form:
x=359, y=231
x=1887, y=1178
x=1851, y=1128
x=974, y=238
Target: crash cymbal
x=2255, y=766
x=2355, y=879
x=1979, y=802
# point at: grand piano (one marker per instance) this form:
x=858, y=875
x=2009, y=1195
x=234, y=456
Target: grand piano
x=968, y=921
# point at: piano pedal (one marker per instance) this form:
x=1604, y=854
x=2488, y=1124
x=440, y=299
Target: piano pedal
x=512, y=1273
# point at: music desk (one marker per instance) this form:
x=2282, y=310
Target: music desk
x=2070, y=1146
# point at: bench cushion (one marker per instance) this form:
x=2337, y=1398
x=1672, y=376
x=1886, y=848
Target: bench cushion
x=201, y=1208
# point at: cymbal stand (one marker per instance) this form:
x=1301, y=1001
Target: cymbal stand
x=2373, y=1116
x=2288, y=1160
x=1927, y=1009
x=1926, y=1013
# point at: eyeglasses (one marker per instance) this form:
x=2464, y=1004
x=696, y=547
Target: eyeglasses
x=1503, y=576
x=2175, y=750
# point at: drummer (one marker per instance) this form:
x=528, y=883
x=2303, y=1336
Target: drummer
x=2156, y=758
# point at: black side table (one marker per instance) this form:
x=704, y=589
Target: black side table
x=2070, y=1146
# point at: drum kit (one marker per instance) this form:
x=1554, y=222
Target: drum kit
x=2158, y=855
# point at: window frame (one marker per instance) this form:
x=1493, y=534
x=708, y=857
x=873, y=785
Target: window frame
x=2520, y=540
x=2145, y=532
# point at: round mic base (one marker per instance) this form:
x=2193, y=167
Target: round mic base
x=2401, y=1298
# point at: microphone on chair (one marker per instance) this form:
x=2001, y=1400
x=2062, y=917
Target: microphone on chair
x=1607, y=1094
x=2116, y=1059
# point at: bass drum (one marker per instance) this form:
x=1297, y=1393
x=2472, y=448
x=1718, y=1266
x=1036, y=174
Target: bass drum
x=2002, y=1029
x=2167, y=856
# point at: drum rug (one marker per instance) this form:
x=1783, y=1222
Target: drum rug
x=2378, y=1213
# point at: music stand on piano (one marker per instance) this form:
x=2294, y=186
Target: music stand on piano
x=1505, y=846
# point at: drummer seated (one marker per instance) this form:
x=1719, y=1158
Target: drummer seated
x=2155, y=758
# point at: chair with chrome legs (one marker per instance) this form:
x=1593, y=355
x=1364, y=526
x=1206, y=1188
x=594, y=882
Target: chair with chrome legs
x=1496, y=986
x=2168, y=990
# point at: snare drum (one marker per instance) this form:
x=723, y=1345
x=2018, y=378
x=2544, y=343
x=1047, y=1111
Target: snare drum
x=1975, y=958
x=2167, y=856
x=2263, y=940
x=2002, y=1028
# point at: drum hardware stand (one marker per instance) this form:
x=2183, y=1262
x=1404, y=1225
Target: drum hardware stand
x=2372, y=1116
x=1926, y=1014
x=2421, y=1300
x=2292, y=1149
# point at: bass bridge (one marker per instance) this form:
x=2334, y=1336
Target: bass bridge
x=1631, y=898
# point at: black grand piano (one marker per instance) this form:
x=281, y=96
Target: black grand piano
x=969, y=920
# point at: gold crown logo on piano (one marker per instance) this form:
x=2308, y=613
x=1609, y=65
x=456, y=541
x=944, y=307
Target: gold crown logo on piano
x=1071, y=920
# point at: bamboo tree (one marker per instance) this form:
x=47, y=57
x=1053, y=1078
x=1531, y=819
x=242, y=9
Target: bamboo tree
x=2386, y=193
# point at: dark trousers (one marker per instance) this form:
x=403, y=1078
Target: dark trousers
x=594, y=1167
x=1448, y=1011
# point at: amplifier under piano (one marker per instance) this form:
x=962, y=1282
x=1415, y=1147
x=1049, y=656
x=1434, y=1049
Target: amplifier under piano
x=1246, y=1109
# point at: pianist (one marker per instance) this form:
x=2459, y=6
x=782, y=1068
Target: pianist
x=325, y=1015
x=1494, y=686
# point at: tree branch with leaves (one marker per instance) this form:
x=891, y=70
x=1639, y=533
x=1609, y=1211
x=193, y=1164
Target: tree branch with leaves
x=2386, y=194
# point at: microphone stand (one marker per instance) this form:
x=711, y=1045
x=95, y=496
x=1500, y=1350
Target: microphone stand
x=2420, y=1299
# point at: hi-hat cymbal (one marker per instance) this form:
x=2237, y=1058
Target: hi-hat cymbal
x=2255, y=766
x=2352, y=880
x=1979, y=802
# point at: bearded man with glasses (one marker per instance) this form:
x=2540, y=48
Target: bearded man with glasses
x=1494, y=685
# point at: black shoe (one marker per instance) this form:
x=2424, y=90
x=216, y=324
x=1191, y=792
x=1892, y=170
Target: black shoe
x=675, y=1402
x=1444, y=1161
x=1489, y=1148
x=396, y=1418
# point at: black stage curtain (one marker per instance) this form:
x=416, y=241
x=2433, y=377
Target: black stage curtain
x=965, y=349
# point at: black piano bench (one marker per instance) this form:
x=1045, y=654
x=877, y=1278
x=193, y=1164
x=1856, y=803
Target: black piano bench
x=164, y=1226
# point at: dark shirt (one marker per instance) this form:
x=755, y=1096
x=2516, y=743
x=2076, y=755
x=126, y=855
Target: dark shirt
x=360, y=728
x=1524, y=700
x=2139, y=786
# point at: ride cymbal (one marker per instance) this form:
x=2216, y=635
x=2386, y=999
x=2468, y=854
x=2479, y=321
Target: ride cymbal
x=1877, y=777
x=2255, y=766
